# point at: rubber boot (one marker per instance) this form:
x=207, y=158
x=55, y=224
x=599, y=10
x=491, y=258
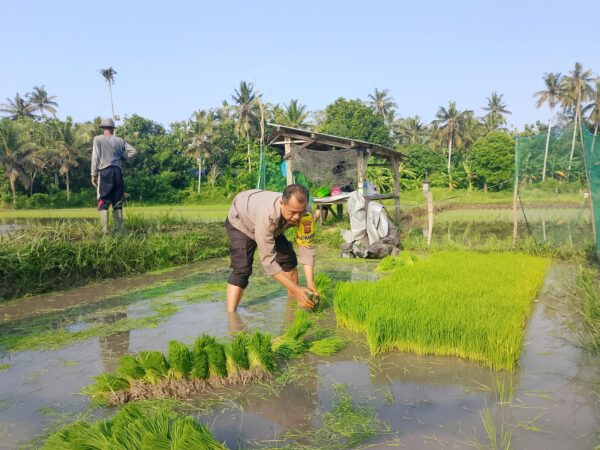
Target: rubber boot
x=118, y=219
x=104, y=220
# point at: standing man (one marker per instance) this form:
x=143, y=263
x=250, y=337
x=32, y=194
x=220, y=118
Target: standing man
x=259, y=219
x=107, y=177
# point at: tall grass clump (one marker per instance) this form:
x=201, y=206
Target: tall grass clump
x=41, y=259
x=464, y=304
x=135, y=428
x=588, y=290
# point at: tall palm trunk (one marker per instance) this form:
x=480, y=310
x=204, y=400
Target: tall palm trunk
x=112, y=106
x=547, y=144
x=199, y=174
x=449, y=162
x=68, y=186
x=13, y=188
x=574, y=130
x=248, y=142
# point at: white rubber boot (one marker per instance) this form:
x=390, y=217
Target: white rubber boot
x=118, y=219
x=104, y=220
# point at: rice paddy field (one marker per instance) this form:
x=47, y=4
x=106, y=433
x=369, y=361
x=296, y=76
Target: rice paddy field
x=465, y=344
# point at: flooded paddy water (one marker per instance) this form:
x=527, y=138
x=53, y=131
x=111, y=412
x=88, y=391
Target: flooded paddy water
x=417, y=402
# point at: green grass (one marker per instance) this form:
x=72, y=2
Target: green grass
x=135, y=427
x=4, y=367
x=42, y=259
x=464, y=304
x=191, y=212
x=588, y=293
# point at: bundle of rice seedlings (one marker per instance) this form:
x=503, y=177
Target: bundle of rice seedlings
x=390, y=263
x=239, y=346
x=327, y=346
x=288, y=348
x=136, y=428
x=217, y=363
x=300, y=326
x=260, y=354
x=105, y=384
x=180, y=360
x=130, y=368
x=324, y=285
x=155, y=365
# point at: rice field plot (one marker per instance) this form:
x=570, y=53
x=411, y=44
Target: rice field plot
x=470, y=305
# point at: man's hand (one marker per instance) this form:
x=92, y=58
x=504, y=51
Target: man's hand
x=302, y=297
x=95, y=181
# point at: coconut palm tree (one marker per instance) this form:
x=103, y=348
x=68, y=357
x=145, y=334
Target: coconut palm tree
x=496, y=110
x=69, y=141
x=109, y=77
x=18, y=108
x=295, y=114
x=43, y=102
x=15, y=156
x=383, y=105
x=594, y=112
x=450, y=121
x=410, y=131
x=247, y=113
x=203, y=129
x=551, y=95
x=578, y=89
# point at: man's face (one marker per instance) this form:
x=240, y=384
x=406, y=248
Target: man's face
x=293, y=210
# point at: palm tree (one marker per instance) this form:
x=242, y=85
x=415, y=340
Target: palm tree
x=247, y=113
x=577, y=88
x=18, y=108
x=496, y=110
x=69, y=141
x=295, y=114
x=43, y=102
x=450, y=121
x=203, y=130
x=383, y=105
x=552, y=95
x=410, y=130
x=594, y=112
x=15, y=156
x=109, y=77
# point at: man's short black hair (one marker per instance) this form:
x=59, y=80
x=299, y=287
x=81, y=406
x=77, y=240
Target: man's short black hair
x=297, y=190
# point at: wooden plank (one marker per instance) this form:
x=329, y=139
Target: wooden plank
x=289, y=176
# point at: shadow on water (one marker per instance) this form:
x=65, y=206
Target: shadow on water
x=430, y=402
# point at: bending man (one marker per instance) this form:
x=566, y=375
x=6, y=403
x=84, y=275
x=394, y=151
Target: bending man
x=107, y=153
x=258, y=219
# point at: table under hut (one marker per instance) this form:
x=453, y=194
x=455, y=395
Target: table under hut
x=327, y=160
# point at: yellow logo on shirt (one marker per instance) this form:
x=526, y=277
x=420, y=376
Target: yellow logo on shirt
x=306, y=231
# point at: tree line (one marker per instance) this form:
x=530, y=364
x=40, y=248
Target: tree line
x=216, y=151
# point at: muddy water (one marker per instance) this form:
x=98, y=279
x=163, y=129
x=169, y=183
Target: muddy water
x=427, y=402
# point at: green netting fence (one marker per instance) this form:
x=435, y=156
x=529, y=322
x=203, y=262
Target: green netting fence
x=553, y=170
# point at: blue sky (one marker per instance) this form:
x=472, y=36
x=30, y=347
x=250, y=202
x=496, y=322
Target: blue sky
x=176, y=57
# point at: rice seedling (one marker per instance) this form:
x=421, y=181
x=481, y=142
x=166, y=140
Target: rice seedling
x=105, y=384
x=154, y=364
x=325, y=286
x=463, y=304
x=217, y=363
x=327, y=346
x=180, y=360
x=130, y=368
x=300, y=326
x=390, y=263
x=289, y=348
x=135, y=428
x=260, y=353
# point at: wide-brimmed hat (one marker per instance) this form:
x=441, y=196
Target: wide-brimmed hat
x=107, y=122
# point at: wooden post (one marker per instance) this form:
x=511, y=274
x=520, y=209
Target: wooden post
x=289, y=176
x=396, y=171
x=362, y=169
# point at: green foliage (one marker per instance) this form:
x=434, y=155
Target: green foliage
x=588, y=289
x=353, y=119
x=394, y=262
x=493, y=160
x=424, y=162
x=260, y=352
x=130, y=368
x=135, y=427
x=217, y=363
x=42, y=259
x=154, y=364
x=300, y=325
x=452, y=303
